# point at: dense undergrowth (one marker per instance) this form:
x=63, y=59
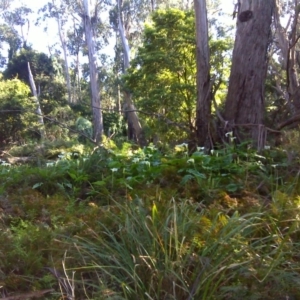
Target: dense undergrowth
x=141, y=224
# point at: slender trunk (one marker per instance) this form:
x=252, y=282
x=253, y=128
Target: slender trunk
x=135, y=130
x=38, y=107
x=95, y=101
x=64, y=48
x=78, y=77
x=203, y=108
x=244, y=106
x=152, y=5
x=119, y=108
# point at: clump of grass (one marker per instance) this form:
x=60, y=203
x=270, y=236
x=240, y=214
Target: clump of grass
x=169, y=250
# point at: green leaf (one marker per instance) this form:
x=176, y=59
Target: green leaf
x=186, y=178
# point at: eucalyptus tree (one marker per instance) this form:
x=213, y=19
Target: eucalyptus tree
x=95, y=97
x=135, y=131
x=18, y=18
x=244, y=106
x=75, y=44
x=87, y=16
x=286, y=66
x=58, y=10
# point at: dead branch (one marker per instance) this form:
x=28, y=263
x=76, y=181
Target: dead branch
x=288, y=122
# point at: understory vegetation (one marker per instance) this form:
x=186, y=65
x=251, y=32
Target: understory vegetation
x=153, y=154
x=131, y=223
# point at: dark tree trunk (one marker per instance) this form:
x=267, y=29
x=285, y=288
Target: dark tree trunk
x=203, y=108
x=245, y=99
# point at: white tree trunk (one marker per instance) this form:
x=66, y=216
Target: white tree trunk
x=125, y=44
x=96, y=103
x=64, y=47
x=38, y=106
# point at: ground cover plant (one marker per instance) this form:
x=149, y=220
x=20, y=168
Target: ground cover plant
x=135, y=223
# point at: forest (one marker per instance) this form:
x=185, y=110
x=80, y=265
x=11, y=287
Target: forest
x=151, y=151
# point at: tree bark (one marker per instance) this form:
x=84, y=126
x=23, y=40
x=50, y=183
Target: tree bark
x=287, y=43
x=95, y=101
x=135, y=131
x=203, y=108
x=38, y=107
x=245, y=99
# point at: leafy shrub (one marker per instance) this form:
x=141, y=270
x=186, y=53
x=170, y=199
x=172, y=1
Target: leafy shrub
x=17, y=112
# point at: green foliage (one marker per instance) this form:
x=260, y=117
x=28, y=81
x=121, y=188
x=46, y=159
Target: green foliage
x=85, y=127
x=162, y=77
x=40, y=64
x=16, y=108
x=48, y=77
x=113, y=124
x=11, y=37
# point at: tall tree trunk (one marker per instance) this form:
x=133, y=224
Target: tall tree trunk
x=135, y=131
x=38, y=107
x=64, y=47
x=245, y=99
x=95, y=103
x=203, y=108
x=287, y=43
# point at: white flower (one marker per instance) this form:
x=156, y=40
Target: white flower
x=191, y=160
x=183, y=145
x=144, y=162
x=200, y=149
x=114, y=170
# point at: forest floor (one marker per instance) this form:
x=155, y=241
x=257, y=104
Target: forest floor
x=129, y=223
